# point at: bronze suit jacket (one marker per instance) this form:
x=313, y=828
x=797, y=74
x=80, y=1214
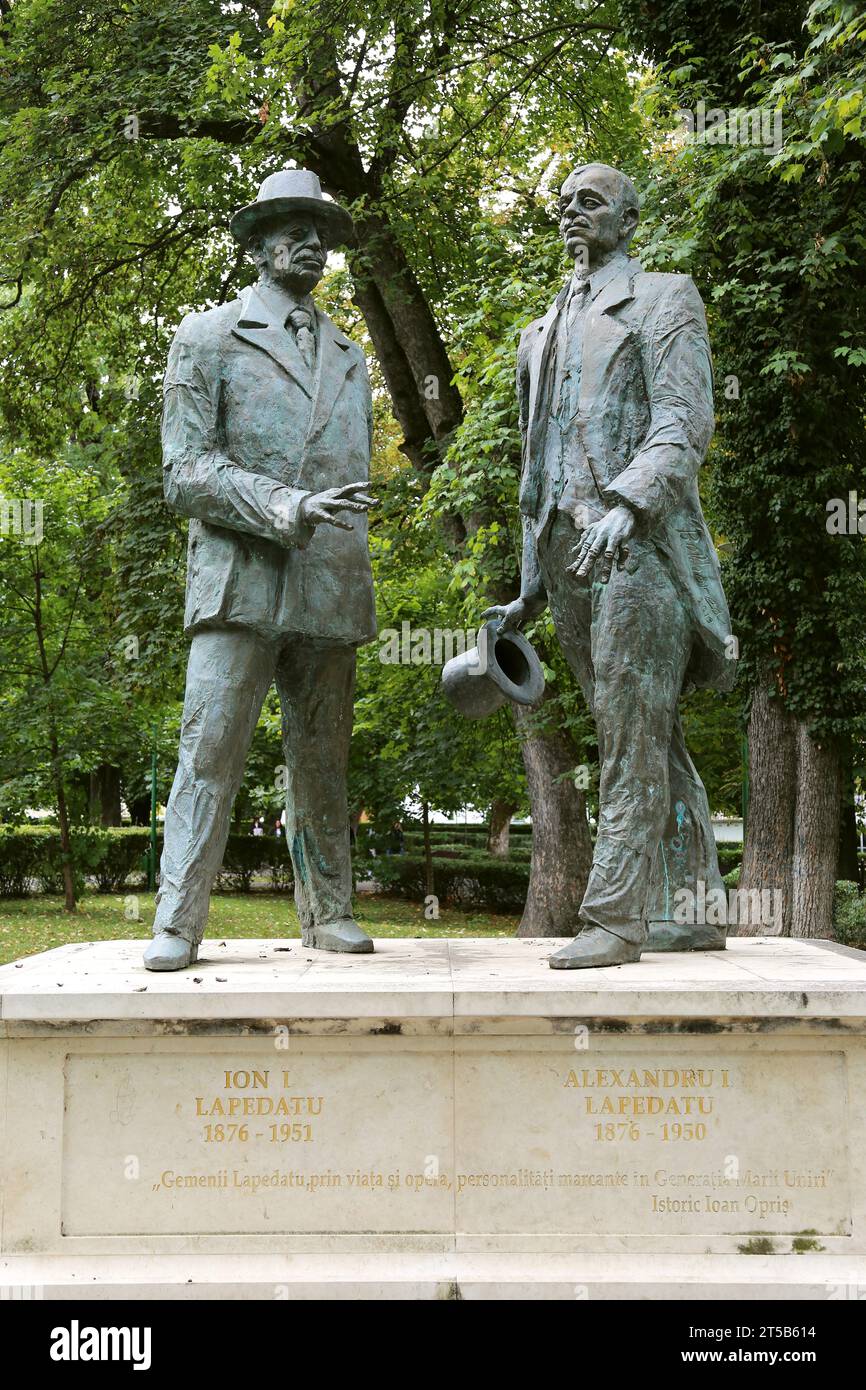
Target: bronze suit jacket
x=643, y=424
x=245, y=427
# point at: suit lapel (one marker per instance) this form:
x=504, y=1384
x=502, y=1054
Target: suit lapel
x=616, y=290
x=540, y=359
x=256, y=325
x=603, y=335
x=333, y=361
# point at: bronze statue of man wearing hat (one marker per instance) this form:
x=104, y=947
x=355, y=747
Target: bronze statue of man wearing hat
x=267, y=432
x=616, y=409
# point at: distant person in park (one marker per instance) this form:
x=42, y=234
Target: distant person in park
x=267, y=432
x=616, y=410
x=396, y=841
x=258, y=828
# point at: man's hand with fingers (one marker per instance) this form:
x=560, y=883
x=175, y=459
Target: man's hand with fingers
x=513, y=615
x=322, y=507
x=604, y=540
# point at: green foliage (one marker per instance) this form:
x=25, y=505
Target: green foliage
x=713, y=728
x=408, y=741
x=64, y=707
x=849, y=916
x=31, y=856
x=453, y=124
x=116, y=855
x=730, y=858
x=773, y=237
x=442, y=849
x=130, y=135
x=249, y=855
x=476, y=880
x=21, y=854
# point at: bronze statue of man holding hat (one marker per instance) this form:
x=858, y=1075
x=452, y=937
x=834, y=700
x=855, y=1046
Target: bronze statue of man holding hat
x=267, y=432
x=615, y=390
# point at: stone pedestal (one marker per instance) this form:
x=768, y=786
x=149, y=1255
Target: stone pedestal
x=442, y=1119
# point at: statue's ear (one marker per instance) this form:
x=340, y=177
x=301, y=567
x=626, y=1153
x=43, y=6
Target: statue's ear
x=628, y=223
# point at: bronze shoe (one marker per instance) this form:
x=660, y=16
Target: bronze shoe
x=594, y=947
x=344, y=935
x=169, y=951
x=678, y=936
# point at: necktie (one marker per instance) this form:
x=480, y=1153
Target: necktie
x=571, y=344
x=577, y=300
x=302, y=323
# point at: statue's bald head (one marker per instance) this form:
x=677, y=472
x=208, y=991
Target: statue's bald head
x=599, y=211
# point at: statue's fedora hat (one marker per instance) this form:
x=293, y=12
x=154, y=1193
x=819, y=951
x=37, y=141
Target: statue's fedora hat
x=502, y=667
x=289, y=191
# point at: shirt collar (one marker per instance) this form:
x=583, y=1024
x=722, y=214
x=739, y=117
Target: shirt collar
x=280, y=302
x=597, y=279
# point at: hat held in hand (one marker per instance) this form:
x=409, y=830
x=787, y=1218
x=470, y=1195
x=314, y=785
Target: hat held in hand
x=502, y=667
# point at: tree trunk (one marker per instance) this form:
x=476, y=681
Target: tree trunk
x=500, y=822
x=816, y=835
x=561, y=843
x=139, y=810
x=769, y=842
x=402, y=321
x=105, y=795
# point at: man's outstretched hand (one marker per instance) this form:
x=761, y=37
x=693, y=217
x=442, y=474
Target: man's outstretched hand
x=604, y=540
x=513, y=615
x=322, y=507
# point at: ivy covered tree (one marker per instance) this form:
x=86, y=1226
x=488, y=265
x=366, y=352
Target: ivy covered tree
x=771, y=220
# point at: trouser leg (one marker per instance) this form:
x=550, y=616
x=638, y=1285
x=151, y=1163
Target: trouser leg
x=228, y=676
x=316, y=685
x=639, y=641
x=686, y=856
x=685, y=869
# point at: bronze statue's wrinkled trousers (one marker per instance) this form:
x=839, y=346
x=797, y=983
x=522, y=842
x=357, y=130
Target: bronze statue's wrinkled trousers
x=229, y=675
x=628, y=643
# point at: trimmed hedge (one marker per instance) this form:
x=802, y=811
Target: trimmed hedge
x=448, y=849
x=248, y=855
x=30, y=856
x=462, y=831
x=730, y=856
x=471, y=881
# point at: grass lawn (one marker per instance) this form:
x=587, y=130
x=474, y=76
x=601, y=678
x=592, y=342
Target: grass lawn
x=28, y=925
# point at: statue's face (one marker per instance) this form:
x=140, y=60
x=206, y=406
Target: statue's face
x=591, y=220
x=295, y=252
